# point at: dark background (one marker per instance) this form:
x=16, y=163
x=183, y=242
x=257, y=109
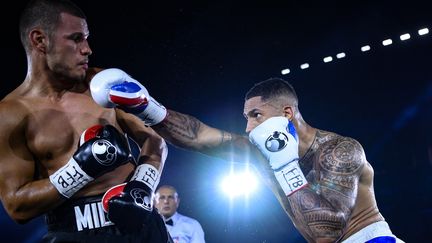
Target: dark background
x=200, y=58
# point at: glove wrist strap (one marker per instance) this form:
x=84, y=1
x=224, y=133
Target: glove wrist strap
x=70, y=178
x=148, y=175
x=290, y=178
x=154, y=113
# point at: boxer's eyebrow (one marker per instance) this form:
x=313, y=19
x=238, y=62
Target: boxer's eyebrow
x=77, y=36
x=251, y=113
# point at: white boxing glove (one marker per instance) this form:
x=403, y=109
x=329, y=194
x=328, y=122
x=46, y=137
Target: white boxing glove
x=114, y=88
x=277, y=140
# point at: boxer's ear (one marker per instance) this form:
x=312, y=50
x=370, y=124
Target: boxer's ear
x=38, y=40
x=288, y=112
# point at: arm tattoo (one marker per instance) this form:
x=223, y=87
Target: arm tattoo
x=225, y=137
x=181, y=127
x=323, y=209
x=340, y=164
x=188, y=132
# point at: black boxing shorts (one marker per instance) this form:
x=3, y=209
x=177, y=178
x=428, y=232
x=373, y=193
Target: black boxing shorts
x=83, y=220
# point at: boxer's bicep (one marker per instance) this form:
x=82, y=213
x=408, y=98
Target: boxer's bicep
x=327, y=203
x=17, y=167
x=340, y=166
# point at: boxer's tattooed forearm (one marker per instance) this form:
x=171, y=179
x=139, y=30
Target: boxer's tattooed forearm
x=317, y=216
x=226, y=137
x=182, y=127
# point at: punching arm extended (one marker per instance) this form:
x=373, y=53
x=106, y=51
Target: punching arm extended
x=188, y=132
x=115, y=88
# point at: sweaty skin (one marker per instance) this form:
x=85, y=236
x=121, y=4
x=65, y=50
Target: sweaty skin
x=43, y=118
x=339, y=199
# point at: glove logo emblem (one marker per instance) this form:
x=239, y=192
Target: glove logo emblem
x=141, y=198
x=104, y=152
x=276, y=142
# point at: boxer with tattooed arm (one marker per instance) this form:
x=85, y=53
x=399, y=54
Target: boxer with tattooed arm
x=322, y=179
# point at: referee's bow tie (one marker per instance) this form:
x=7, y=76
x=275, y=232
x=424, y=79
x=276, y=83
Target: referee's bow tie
x=169, y=222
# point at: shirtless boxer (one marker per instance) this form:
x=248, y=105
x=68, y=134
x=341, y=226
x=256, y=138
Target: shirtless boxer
x=60, y=152
x=322, y=179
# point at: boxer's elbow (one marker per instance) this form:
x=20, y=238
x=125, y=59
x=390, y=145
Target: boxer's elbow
x=329, y=226
x=18, y=211
x=21, y=220
x=17, y=214
x=326, y=240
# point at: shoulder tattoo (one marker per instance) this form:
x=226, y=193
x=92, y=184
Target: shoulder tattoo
x=341, y=156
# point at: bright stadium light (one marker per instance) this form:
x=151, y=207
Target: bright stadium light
x=405, y=37
x=387, y=42
x=341, y=55
x=285, y=71
x=239, y=184
x=423, y=31
x=365, y=48
x=304, y=66
x=328, y=59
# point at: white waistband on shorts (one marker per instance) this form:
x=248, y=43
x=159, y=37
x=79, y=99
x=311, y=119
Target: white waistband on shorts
x=371, y=231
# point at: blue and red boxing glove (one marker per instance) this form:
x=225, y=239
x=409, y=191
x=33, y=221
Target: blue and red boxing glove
x=114, y=88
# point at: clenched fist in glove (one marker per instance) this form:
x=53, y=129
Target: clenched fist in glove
x=114, y=88
x=277, y=140
x=102, y=149
x=129, y=205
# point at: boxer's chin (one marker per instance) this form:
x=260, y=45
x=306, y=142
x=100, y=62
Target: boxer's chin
x=91, y=72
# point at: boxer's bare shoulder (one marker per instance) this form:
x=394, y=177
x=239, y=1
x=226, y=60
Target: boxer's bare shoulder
x=341, y=155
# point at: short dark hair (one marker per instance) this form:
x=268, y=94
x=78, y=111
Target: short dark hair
x=46, y=15
x=272, y=88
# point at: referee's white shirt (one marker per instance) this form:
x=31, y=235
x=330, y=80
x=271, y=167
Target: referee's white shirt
x=185, y=229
